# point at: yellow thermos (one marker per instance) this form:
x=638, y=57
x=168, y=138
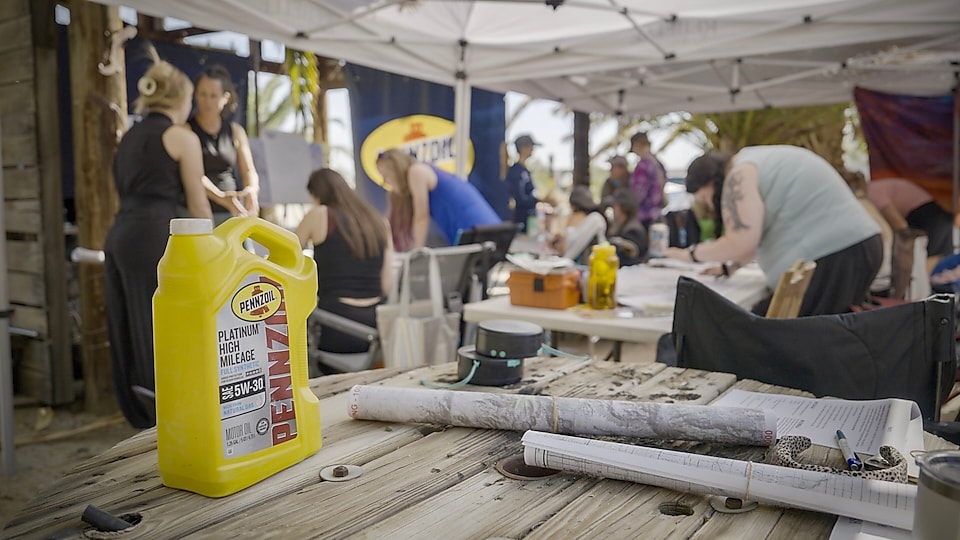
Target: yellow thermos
x=602, y=282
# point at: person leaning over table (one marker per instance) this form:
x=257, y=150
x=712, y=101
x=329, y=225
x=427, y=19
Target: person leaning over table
x=158, y=163
x=420, y=192
x=780, y=204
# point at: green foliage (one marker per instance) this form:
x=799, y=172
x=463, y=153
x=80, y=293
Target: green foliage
x=819, y=128
x=304, y=75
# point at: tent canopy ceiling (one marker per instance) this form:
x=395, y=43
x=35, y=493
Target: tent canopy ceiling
x=630, y=56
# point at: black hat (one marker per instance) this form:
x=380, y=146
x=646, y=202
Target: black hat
x=525, y=141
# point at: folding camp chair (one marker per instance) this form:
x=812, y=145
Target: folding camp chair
x=905, y=351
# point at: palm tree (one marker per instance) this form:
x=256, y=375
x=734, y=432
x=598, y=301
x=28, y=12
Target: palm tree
x=819, y=128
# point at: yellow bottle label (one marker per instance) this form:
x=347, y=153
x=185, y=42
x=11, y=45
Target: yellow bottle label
x=256, y=392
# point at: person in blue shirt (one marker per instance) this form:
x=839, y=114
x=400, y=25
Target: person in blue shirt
x=520, y=184
x=420, y=192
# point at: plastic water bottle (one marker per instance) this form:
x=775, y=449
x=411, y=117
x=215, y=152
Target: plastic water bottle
x=230, y=348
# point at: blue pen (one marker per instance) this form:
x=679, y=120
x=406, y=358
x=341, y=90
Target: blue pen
x=853, y=462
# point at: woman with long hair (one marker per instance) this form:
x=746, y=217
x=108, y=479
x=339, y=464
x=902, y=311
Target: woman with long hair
x=231, y=179
x=354, y=254
x=158, y=163
x=420, y=192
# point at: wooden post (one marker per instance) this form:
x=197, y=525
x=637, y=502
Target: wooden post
x=581, y=148
x=99, y=116
x=50, y=165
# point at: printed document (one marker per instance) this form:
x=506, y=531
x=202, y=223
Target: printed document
x=868, y=424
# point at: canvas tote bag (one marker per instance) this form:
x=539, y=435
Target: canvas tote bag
x=421, y=332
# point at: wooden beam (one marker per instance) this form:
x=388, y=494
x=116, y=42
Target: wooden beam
x=47, y=74
x=95, y=126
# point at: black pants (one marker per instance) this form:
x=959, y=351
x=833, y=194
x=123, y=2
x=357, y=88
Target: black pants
x=937, y=223
x=133, y=249
x=842, y=279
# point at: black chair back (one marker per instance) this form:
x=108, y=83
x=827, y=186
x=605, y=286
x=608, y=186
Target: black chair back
x=905, y=351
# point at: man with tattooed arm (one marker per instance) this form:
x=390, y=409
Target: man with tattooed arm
x=777, y=204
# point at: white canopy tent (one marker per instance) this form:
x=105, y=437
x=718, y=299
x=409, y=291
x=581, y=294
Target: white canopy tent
x=629, y=56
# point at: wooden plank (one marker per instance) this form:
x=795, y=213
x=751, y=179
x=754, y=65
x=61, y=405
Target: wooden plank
x=615, y=509
x=18, y=124
x=135, y=483
x=395, y=482
x=23, y=255
x=136, y=487
x=21, y=183
x=26, y=288
x=17, y=97
x=405, y=472
x=19, y=151
x=23, y=216
x=10, y=9
x=51, y=202
x=30, y=318
x=15, y=32
x=16, y=65
x=29, y=380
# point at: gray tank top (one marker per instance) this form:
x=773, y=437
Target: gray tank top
x=809, y=211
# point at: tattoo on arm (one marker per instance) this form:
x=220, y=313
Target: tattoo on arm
x=729, y=199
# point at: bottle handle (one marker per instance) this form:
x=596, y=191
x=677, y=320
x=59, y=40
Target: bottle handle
x=279, y=241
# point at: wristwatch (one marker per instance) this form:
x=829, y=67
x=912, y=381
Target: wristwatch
x=691, y=249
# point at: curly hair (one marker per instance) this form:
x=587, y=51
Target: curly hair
x=163, y=86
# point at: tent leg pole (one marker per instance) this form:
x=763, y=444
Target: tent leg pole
x=956, y=159
x=461, y=120
x=7, y=448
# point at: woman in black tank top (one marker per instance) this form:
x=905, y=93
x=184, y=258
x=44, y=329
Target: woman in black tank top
x=158, y=164
x=234, y=184
x=354, y=253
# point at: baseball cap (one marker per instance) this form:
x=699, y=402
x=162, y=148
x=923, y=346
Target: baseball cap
x=524, y=141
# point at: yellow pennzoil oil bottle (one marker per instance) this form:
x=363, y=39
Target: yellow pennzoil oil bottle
x=230, y=349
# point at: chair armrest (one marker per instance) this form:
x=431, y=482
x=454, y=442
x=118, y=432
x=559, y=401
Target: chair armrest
x=343, y=324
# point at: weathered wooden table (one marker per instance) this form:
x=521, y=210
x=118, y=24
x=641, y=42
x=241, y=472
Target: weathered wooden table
x=423, y=481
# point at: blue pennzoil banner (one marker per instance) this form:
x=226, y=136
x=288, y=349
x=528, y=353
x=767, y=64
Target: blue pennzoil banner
x=910, y=137
x=391, y=110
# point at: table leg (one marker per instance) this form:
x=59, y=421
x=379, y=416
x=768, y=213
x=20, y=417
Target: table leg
x=615, y=352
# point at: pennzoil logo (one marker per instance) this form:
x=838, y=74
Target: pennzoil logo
x=256, y=301
x=427, y=138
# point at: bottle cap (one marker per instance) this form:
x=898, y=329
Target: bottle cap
x=191, y=226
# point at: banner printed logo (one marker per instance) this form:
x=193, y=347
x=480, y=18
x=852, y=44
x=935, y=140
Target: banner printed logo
x=427, y=138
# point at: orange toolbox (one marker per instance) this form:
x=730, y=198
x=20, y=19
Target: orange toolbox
x=556, y=290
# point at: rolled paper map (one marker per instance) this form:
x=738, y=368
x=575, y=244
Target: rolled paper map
x=571, y=416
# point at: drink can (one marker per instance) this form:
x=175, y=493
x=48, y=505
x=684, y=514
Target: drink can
x=659, y=239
